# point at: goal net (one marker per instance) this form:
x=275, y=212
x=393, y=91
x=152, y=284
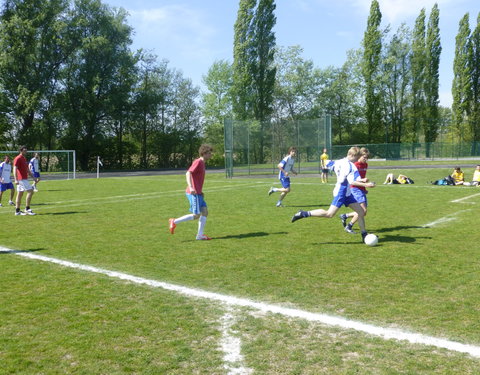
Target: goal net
x=54, y=164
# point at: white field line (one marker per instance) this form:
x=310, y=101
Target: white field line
x=328, y=320
x=126, y=198
x=461, y=200
x=231, y=346
x=444, y=219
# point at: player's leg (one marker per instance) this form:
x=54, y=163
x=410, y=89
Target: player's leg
x=1, y=194
x=284, y=190
x=12, y=193
x=28, y=210
x=18, y=200
x=194, y=209
x=332, y=210
x=202, y=221
x=361, y=219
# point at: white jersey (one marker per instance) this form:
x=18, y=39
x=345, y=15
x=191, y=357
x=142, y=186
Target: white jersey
x=33, y=165
x=5, y=172
x=287, y=164
x=346, y=173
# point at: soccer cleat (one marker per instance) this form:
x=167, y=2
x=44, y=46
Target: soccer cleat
x=20, y=213
x=270, y=192
x=11, y=203
x=203, y=238
x=344, y=217
x=279, y=204
x=299, y=215
x=30, y=212
x=172, y=225
x=364, y=234
x=35, y=190
x=349, y=229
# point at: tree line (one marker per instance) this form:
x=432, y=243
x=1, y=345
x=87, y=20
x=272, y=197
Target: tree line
x=69, y=79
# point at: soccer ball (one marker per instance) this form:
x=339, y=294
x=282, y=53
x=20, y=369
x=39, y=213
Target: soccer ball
x=371, y=239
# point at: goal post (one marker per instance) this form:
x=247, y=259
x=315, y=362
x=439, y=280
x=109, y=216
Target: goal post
x=54, y=164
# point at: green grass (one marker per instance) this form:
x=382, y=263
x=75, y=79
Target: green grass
x=57, y=320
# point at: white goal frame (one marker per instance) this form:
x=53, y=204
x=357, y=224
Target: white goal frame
x=71, y=160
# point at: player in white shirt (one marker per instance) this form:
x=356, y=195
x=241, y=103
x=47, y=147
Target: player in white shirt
x=285, y=166
x=6, y=180
x=34, y=166
x=347, y=174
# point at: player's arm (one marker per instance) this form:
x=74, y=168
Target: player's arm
x=190, y=182
x=280, y=166
x=15, y=174
x=363, y=184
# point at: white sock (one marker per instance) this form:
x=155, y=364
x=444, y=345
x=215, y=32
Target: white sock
x=275, y=189
x=184, y=218
x=201, y=225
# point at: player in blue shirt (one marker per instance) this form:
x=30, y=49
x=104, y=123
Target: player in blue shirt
x=286, y=167
x=6, y=180
x=34, y=166
x=347, y=176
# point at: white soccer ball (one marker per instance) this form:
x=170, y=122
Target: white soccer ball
x=371, y=239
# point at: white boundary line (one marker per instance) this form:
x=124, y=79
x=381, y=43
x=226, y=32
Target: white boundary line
x=385, y=333
x=461, y=200
x=445, y=219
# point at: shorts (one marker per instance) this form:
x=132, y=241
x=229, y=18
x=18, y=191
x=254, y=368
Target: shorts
x=24, y=185
x=196, y=203
x=360, y=195
x=325, y=170
x=285, y=182
x=36, y=174
x=6, y=186
x=341, y=200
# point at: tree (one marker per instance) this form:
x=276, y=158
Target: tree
x=461, y=78
x=396, y=80
x=417, y=64
x=432, y=62
x=34, y=43
x=372, y=48
x=474, y=68
x=242, y=81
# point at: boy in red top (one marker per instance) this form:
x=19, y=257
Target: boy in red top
x=20, y=173
x=359, y=192
x=198, y=207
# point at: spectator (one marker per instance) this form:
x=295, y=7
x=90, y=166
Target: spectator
x=401, y=179
x=458, y=176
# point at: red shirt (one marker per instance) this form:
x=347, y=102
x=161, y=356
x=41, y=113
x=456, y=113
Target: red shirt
x=22, y=167
x=362, y=170
x=197, y=170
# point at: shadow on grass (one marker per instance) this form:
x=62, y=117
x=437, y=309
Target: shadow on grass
x=64, y=213
x=307, y=205
x=400, y=227
x=247, y=235
x=21, y=251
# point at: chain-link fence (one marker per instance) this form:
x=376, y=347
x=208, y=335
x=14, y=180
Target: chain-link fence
x=252, y=147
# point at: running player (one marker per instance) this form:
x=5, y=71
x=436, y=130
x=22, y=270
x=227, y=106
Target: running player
x=5, y=180
x=285, y=166
x=34, y=166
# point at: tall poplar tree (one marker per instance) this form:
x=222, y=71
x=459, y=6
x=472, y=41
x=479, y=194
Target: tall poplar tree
x=262, y=67
x=474, y=62
x=432, y=62
x=372, y=48
x=417, y=66
x=242, y=81
x=461, y=77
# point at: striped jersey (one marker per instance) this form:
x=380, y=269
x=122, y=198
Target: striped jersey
x=5, y=172
x=287, y=164
x=346, y=173
x=33, y=165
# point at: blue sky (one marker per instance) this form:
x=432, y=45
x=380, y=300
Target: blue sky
x=192, y=34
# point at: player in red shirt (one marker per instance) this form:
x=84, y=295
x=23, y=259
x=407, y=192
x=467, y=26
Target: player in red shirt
x=359, y=192
x=21, y=173
x=198, y=207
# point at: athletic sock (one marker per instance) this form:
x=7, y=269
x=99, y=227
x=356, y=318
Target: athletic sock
x=201, y=225
x=184, y=218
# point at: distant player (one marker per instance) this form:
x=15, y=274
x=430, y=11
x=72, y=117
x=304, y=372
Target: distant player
x=286, y=167
x=21, y=172
x=324, y=166
x=359, y=192
x=347, y=175
x=5, y=180
x=198, y=207
x=34, y=167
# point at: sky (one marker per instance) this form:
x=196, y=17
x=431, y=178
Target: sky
x=192, y=34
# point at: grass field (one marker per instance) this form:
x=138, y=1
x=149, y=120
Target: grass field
x=422, y=278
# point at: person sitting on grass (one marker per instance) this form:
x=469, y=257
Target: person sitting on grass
x=458, y=176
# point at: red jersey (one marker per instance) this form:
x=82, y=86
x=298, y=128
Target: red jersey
x=362, y=170
x=22, y=167
x=198, y=175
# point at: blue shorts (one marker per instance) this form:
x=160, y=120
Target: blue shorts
x=5, y=187
x=360, y=195
x=285, y=182
x=341, y=200
x=36, y=174
x=196, y=203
